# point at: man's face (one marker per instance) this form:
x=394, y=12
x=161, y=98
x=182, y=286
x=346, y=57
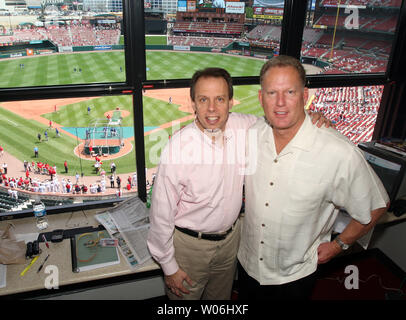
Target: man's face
x=283, y=98
x=211, y=103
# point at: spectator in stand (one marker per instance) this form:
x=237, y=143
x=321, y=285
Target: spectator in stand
x=4, y=168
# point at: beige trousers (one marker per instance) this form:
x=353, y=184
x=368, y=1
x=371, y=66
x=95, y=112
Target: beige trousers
x=210, y=264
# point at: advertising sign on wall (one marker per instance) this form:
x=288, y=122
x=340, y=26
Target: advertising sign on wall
x=235, y=7
x=182, y=5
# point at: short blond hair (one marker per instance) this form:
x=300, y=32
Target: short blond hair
x=283, y=61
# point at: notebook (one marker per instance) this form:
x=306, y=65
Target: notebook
x=88, y=255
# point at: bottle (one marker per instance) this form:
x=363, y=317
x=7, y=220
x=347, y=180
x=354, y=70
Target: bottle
x=40, y=214
x=149, y=196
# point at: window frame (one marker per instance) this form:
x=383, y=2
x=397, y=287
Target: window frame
x=134, y=46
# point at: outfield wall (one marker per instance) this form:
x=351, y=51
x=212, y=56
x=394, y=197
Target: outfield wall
x=19, y=51
x=70, y=49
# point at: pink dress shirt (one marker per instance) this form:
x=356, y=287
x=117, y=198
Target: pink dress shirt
x=198, y=186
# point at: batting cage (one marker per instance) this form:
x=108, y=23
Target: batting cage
x=104, y=136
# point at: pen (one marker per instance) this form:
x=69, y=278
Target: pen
x=45, y=240
x=29, y=266
x=40, y=267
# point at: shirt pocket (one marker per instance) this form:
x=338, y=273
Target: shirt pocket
x=305, y=197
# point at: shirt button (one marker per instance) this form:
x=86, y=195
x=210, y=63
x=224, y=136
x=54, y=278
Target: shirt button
x=266, y=204
x=276, y=160
x=271, y=183
x=262, y=242
x=263, y=224
x=260, y=259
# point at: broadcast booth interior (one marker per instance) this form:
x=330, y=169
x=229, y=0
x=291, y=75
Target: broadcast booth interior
x=91, y=91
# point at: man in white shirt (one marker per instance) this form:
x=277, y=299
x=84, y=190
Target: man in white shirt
x=303, y=175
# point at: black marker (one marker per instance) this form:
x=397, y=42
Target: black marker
x=40, y=267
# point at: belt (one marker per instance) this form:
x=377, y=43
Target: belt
x=207, y=236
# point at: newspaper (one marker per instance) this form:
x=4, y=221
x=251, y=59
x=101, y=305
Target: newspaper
x=128, y=222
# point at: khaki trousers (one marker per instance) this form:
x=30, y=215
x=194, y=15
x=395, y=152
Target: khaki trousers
x=210, y=264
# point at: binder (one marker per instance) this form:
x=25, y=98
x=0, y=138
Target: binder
x=90, y=257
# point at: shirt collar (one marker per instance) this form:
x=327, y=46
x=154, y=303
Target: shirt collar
x=303, y=139
x=228, y=132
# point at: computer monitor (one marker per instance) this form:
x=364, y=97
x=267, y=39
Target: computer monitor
x=390, y=168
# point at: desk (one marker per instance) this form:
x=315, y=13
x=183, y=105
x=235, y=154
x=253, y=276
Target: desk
x=32, y=284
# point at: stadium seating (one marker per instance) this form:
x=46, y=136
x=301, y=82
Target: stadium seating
x=353, y=109
x=208, y=27
x=74, y=35
x=199, y=41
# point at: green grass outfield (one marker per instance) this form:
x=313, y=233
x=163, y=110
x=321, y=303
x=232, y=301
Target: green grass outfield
x=19, y=136
x=96, y=67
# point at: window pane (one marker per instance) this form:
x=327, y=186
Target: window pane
x=349, y=36
x=168, y=110
x=165, y=112
x=190, y=35
x=352, y=109
x=75, y=130
x=63, y=42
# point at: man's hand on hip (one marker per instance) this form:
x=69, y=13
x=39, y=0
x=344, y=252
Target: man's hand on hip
x=175, y=282
x=326, y=251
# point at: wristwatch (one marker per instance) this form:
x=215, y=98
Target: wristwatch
x=342, y=245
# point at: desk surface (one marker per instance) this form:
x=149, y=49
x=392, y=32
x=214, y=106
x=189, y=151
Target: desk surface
x=60, y=256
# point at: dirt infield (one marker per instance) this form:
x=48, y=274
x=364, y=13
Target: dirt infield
x=179, y=96
x=124, y=113
x=35, y=108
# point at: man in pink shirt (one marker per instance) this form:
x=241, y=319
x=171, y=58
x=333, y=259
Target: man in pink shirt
x=195, y=228
x=197, y=194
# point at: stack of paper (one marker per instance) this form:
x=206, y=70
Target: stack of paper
x=128, y=222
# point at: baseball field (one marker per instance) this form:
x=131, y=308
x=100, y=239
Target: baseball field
x=20, y=122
